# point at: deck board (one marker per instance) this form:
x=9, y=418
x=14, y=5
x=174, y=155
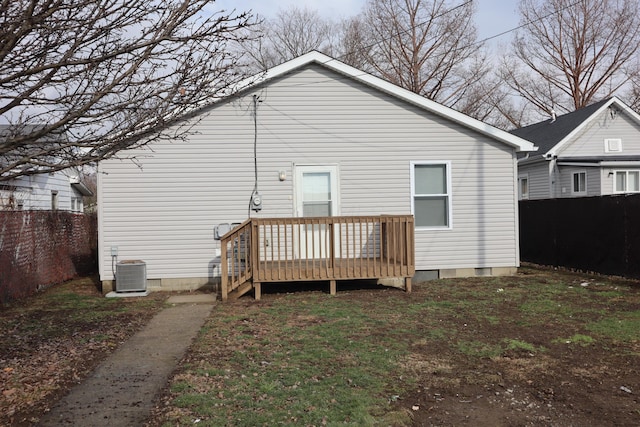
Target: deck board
x=320, y=269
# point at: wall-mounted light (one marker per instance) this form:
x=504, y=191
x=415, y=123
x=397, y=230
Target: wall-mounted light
x=282, y=175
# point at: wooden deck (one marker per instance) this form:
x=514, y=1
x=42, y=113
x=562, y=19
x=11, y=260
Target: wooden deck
x=322, y=248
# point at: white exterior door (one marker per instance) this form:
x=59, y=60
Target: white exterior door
x=316, y=196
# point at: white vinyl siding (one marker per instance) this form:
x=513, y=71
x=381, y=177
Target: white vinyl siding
x=36, y=192
x=592, y=140
x=163, y=208
x=572, y=178
x=538, y=179
x=523, y=187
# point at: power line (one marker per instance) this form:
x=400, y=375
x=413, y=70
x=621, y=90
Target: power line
x=479, y=42
x=548, y=15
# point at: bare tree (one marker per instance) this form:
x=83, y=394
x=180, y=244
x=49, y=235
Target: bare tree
x=81, y=80
x=293, y=32
x=426, y=46
x=355, y=43
x=570, y=53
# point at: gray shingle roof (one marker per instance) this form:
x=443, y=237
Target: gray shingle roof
x=548, y=133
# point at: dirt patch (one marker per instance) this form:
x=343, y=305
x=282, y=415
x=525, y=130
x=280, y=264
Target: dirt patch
x=559, y=382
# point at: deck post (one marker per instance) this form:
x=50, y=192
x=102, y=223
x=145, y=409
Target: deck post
x=257, y=289
x=407, y=285
x=254, y=261
x=332, y=287
x=224, y=279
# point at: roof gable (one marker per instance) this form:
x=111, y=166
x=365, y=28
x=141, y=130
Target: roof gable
x=551, y=135
x=315, y=57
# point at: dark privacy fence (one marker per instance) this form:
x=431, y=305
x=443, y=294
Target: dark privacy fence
x=598, y=234
x=41, y=248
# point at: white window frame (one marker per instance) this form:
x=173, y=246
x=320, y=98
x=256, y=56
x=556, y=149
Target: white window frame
x=613, y=145
x=615, y=181
x=55, y=200
x=573, y=188
x=448, y=194
x=521, y=195
x=300, y=169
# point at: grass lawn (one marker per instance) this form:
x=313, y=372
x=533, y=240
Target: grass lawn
x=543, y=347
x=540, y=348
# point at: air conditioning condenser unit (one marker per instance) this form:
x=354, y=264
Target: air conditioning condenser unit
x=131, y=276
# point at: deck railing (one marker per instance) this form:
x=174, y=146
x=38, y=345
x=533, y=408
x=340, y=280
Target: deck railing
x=235, y=258
x=318, y=248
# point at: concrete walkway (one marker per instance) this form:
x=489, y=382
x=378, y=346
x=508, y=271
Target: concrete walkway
x=122, y=389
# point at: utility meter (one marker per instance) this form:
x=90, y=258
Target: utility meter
x=256, y=202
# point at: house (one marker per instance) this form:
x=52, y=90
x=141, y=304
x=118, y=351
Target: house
x=62, y=190
x=313, y=138
x=592, y=151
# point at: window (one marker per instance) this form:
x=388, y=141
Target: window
x=54, y=200
x=627, y=182
x=523, y=187
x=431, y=194
x=579, y=185
x=613, y=145
x=76, y=204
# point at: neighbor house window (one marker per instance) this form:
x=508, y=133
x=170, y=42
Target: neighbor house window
x=612, y=145
x=431, y=194
x=76, y=204
x=523, y=187
x=579, y=185
x=627, y=182
x=54, y=200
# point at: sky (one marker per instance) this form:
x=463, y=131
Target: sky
x=492, y=16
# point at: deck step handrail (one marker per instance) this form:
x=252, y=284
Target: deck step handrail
x=235, y=258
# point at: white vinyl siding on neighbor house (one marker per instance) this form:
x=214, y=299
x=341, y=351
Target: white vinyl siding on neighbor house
x=537, y=179
x=588, y=179
x=163, y=208
x=592, y=140
x=37, y=192
x=523, y=187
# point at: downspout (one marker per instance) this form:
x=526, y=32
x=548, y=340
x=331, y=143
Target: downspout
x=553, y=160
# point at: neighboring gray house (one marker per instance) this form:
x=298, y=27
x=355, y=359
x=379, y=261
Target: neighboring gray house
x=592, y=151
x=363, y=145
